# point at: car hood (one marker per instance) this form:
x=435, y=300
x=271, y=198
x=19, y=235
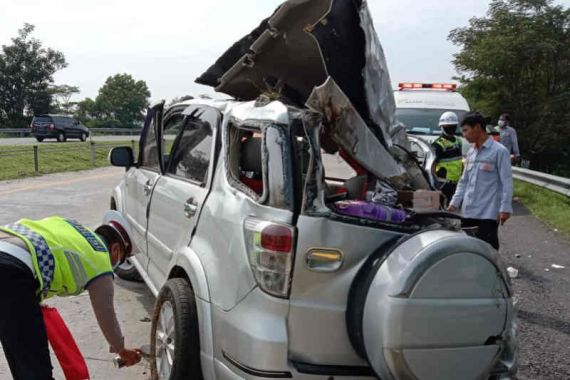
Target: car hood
x=304, y=44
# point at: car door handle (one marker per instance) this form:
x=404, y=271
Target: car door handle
x=148, y=187
x=190, y=208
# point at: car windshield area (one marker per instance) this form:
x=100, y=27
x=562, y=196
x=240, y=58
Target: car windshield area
x=420, y=121
x=42, y=119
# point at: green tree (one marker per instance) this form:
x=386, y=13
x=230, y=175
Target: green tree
x=517, y=60
x=61, y=98
x=26, y=72
x=121, y=101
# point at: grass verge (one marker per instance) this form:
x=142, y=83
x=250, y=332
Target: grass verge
x=17, y=161
x=550, y=207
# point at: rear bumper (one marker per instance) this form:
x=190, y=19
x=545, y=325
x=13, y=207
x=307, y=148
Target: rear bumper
x=252, y=342
x=46, y=135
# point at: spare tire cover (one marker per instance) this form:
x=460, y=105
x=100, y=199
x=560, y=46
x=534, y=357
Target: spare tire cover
x=436, y=309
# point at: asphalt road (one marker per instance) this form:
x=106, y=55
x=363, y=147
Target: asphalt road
x=85, y=197
x=33, y=141
x=543, y=292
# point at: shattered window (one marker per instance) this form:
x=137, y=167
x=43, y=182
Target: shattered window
x=245, y=160
x=191, y=152
x=150, y=158
x=172, y=128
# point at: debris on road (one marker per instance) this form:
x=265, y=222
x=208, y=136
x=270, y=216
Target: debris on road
x=546, y=270
x=556, y=266
x=145, y=319
x=513, y=272
x=518, y=256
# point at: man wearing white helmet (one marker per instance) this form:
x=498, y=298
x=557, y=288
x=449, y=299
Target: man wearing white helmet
x=448, y=157
x=43, y=258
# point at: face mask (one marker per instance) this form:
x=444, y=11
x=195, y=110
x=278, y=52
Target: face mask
x=449, y=129
x=502, y=123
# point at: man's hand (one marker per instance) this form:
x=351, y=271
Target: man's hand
x=130, y=356
x=503, y=217
x=451, y=208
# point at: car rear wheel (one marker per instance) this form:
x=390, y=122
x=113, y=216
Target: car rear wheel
x=83, y=136
x=175, y=339
x=61, y=137
x=40, y=139
x=128, y=271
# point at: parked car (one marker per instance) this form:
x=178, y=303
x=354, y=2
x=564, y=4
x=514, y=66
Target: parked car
x=266, y=261
x=58, y=127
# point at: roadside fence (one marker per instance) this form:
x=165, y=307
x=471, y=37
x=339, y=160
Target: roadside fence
x=57, y=156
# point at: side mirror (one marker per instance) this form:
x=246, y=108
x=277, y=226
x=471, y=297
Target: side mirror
x=122, y=156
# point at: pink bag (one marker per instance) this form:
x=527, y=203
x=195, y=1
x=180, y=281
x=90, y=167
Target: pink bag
x=62, y=342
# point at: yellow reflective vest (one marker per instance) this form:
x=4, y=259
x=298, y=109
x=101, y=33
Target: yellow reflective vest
x=66, y=256
x=451, y=158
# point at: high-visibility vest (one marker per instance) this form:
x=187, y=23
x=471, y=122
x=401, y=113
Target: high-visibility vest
x=451, y=159
x=66, y=256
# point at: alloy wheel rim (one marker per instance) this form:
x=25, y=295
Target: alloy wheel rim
x=165, y=335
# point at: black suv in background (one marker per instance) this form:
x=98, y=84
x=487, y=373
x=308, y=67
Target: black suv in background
x=58, y=127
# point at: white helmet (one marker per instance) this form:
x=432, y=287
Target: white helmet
x=448, y=118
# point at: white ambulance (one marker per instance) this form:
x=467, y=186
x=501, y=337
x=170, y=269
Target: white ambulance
x=420, y=105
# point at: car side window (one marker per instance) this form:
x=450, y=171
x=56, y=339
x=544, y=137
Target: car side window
x=191, y=152
x=172, y=128
x=150, y=159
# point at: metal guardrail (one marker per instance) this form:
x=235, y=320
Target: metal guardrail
x=93, y=131
x=15, y=130
x=557, y=184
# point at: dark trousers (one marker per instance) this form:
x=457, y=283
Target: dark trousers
x=22, y=330
x=448, y=189
x=488, y=230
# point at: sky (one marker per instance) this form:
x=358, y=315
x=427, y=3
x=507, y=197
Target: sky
x=169, y=43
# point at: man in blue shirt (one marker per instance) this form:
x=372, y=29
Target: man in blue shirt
x=508, y=137
x=485, y=190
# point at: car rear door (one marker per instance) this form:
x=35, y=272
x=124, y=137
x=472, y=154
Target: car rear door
x=189, y=142
x=140, y=181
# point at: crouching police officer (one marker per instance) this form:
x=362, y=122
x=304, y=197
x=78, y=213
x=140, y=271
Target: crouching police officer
x=40, y=259
x=448, y=156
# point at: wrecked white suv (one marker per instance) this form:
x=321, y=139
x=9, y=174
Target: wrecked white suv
x=277, y=230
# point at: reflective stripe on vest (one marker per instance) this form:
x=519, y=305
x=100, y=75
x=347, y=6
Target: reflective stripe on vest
x=46, y=261
x=448, y=145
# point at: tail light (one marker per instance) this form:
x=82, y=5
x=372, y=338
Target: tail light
x=271, y=252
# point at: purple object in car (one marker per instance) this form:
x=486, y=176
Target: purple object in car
x=371, y=210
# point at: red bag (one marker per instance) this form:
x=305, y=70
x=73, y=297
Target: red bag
x=64, y=346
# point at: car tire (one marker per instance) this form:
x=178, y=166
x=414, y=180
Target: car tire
x=83, y=137
x=40, y=139
x=175, y=337
x=128, y=271
x=61, y=137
